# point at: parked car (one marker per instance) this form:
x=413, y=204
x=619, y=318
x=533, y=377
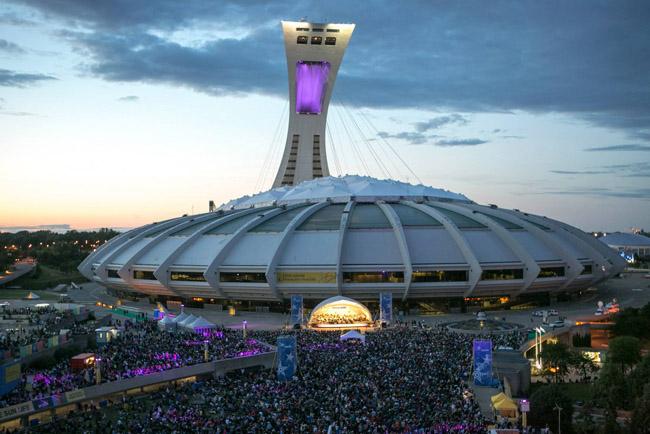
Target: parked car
x=481, y=316
x=557, y=324
x=538, y=313
x=553, y=312
x=598, y=312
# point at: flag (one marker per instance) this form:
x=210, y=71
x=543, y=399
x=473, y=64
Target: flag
x=482, y=362
x=287, y=357
x=386, y=307
x=296, y=309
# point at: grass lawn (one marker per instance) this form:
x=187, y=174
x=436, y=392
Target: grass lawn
x=576, y=391
x=47, y=277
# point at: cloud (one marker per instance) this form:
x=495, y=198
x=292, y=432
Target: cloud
x=626, y=148
x=580, y=172
x=10, y=47
x=440, y=56
x=440, y=121
x=413, y=138
x=20, y=114
x=629, y=193
x=129, y=98
x=17, y=79
x=460, y=142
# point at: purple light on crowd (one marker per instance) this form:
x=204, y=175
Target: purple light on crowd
x=311, y=85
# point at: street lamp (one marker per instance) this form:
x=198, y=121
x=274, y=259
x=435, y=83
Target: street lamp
x=538, y=331
x=244, y=324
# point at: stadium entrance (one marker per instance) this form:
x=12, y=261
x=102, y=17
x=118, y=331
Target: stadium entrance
x=340, y=312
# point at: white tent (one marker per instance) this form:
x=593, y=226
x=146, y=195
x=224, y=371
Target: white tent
x=353, y=334
x=188, y=320
x=200, y=324
x=167, y=323
x=179, y=318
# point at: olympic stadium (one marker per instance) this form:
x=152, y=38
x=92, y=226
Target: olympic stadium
x=353, y=236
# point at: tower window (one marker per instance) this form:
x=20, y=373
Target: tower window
x=333, y=30
x=302, y=29
x=316, y=40
x=330, y=40
x=302, y=39
x=316, y=30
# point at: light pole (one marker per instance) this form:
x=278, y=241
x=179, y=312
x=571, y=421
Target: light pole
x=538, y=349
x=244, y=324
x=559, y=411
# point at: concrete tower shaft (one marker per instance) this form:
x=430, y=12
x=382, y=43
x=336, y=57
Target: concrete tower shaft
x=314, y=54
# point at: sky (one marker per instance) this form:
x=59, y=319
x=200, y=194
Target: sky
x=118, y=113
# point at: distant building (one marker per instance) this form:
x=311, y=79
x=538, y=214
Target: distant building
x=629, y=244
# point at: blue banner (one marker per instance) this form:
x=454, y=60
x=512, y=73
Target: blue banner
x=296, y=309
x=287, y=357
x=386, y=307
x=482, y=362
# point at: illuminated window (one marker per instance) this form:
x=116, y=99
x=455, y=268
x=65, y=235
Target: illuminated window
x=302, y=39
x=316, y=40
x=330, y=40
x=507, y=274
x=373, y=277
x=187, y=276
x=243, y=277
x=307, y=277
x=143, y=275
x=440, y=276
x=546, y=272
x=302, y=29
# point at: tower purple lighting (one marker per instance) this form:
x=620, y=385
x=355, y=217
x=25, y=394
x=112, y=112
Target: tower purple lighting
x=311, y=85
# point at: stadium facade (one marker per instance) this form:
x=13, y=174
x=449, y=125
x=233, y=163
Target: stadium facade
x=320, y=236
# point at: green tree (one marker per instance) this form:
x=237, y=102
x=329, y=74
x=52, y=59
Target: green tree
x=640, y=376
x=625, y=351
x=542, y=412
x=558, y=358
x=640, y=423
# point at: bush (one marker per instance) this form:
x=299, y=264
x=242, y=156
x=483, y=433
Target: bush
x=542, y=404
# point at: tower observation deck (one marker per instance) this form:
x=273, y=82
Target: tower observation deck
x=314, y=54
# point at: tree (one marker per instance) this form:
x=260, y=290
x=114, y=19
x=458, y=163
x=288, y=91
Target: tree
x=625, y=351
x=542, y=404
x=641, y=416
x=558, y=358
x=640, y=376
x=584, y=365
x=611, y=391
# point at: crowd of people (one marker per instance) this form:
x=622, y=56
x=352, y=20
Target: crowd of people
x=140, y=349
x=31, y=325
x=408, y=378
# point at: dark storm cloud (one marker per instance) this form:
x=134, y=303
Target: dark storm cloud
x=460, y=142
x=589, y=59
x=10, y=47
x=625, y=148
x=18, y=79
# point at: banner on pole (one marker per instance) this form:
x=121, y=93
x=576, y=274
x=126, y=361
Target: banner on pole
x=287, y=357
x=296, y=309
x=482, y=362
x=386, y=307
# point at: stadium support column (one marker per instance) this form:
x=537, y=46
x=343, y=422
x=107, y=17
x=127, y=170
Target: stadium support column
x=314, y=53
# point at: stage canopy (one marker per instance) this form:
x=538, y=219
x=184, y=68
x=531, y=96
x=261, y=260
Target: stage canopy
x=339, y=311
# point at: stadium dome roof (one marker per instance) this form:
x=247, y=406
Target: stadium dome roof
x=353, y=236
x=625, y=239
x=341, y=188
